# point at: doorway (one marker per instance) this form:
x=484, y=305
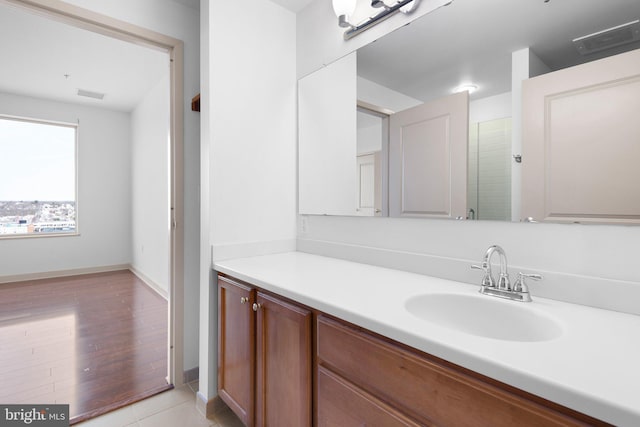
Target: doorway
x=107, y=26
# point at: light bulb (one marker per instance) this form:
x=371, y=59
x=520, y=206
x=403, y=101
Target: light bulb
x=409, y=8
x=467, y=87
x=344, y=7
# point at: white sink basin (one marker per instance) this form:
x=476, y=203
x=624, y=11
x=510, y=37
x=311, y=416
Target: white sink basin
x=485, y=316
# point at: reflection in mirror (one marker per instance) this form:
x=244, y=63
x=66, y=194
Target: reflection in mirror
x=495, y=45
x=481, y=43
x=371, y=148
x=489, y=163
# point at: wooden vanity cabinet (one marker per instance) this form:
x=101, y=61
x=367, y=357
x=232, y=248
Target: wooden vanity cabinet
x=264, y=357
x=272, y=373
x=364, y=379
x=236, y=348
x=284, y=363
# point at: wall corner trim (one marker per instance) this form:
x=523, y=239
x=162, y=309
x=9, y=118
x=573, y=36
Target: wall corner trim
x=209, y=407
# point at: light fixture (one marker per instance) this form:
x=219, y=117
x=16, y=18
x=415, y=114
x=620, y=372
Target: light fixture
x=467, y=87
x=408, y=9
x=378, y=3
x=345, y=8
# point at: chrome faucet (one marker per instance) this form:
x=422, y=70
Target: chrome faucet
x=502, y=288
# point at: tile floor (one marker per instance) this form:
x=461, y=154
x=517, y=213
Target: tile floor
x=173, y=408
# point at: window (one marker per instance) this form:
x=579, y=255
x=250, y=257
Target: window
x=37, y=177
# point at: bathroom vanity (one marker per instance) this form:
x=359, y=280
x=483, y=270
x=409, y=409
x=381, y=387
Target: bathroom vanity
x=310, y=340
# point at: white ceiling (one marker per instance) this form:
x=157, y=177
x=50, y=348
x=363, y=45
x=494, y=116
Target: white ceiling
x=294, y=5
x=472, y=41
x=469, y=40
x=38, y=52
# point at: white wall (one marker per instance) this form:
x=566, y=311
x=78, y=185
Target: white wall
x=369, y=133
x=320, y=40
x=251, y=135
x=150, y=228
x=253, y=132
x=327, y=154
x=595, y=265
x=103, y=199
x=382, y=96
x=490, y=108
x=524, y=64
x=182, y=22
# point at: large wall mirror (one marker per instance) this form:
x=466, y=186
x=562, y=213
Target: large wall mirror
x=361, y=150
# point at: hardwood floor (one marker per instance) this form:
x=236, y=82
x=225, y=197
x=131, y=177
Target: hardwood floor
x=96, y=342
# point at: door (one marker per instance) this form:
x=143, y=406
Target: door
x=369, y=183
x=581, y=144
x=428, y=159
x=283, y=393
x=236, y=348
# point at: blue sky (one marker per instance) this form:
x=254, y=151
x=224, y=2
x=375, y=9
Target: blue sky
x=37, y=161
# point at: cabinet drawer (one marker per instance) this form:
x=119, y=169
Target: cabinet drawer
x=428, y=389
x=340, y=403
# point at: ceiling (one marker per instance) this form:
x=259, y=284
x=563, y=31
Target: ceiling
x=469, y=40
x=293, y=5
x=48, y=59
x=472, y=41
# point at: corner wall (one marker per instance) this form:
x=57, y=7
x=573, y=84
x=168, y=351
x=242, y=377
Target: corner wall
x=250, y=135
x=150, y=228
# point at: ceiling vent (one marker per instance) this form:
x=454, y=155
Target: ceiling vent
x=606, y=39
x=89, y=94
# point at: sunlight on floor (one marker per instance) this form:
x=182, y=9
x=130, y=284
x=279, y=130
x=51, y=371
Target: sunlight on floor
x=44, y=351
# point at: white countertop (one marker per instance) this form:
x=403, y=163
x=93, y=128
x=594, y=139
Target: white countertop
x=593, y=367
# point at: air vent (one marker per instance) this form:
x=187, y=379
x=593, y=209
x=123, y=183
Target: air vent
x=89, y=94
x=606, y=39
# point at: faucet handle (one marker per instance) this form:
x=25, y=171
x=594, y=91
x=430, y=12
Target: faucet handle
x=487, y=280
x=521, y=285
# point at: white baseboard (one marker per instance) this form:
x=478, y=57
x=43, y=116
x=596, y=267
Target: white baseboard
x=190, y=375
x=210, y=407
x=153, y=285
x=62, y=273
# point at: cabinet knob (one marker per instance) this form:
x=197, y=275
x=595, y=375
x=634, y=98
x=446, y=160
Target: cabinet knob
x=256, y=306
x=244, y=300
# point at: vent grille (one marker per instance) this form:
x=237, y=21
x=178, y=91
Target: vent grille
x=89, y=94
x=606, y=39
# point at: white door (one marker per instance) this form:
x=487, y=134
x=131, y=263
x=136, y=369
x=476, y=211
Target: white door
x=428, y=159
x=581, y=143
x=369, y=185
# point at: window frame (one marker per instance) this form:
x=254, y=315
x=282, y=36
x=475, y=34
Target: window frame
x=76, y=127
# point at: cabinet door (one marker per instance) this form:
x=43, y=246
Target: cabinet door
x=283, y=394
x=236, y=348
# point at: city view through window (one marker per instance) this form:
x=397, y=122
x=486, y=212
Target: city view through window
x=37, y=177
